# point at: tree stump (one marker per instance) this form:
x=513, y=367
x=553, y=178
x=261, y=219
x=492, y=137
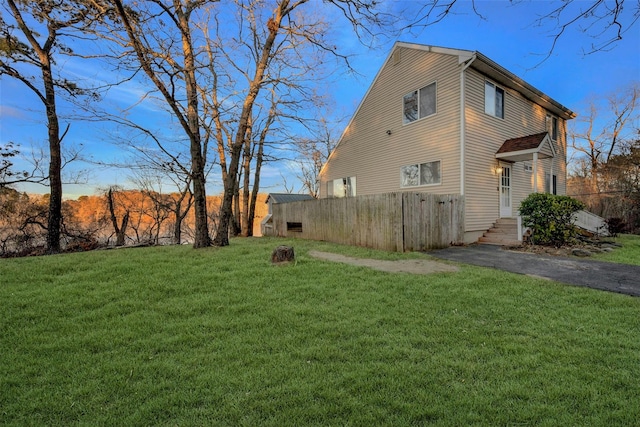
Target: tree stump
x=282, y=254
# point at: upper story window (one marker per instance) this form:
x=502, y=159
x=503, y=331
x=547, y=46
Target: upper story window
x=342, y=187
x=552, y=125
x=493, y=100
x=419, y=104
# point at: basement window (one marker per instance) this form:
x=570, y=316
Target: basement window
x=295, y=227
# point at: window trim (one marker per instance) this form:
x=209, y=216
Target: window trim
x=352, y=185
x=435, y=83
x=419, y=174
x=495, y=90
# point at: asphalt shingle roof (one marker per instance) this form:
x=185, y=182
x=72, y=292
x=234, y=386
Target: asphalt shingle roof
x=530, y=142
x=288, y=197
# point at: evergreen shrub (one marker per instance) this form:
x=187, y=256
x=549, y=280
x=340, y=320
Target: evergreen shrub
x=550, y=218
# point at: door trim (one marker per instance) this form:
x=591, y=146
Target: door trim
x=506, y=191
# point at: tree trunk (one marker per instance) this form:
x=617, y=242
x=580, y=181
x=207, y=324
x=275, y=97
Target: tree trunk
x=181, y=215
x=121, y=233
x=202, y=238
x=256, y=188
x=246, y=175
x=235, y=229
x=222, y=232
x=177, y=226
x=55, y=159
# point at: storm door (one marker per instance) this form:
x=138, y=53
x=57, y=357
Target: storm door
x=505, y=192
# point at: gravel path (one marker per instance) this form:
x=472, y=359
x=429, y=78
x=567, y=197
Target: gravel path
x=414, y=266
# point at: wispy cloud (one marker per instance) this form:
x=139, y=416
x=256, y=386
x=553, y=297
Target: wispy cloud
x=7, y=112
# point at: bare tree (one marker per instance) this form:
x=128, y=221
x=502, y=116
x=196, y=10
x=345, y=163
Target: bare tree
x=120, y=228
x=313, y=152
x=254, y=150
x=83, y=223
x=22, y=223
x=150, y=176
x=597, y=141
x=32, y=43
x=152, y=30
x=622, y=173
x=603, y=22
x=8, y=176
x=287, y=32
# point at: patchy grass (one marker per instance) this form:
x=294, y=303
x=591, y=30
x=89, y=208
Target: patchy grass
x=629, y=253
x=176, y=336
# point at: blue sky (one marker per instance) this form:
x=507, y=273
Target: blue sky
x=508, y=35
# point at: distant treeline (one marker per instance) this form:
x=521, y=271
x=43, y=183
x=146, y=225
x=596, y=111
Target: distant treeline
x=117, y=217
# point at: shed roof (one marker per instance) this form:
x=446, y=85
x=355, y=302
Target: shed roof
x=287, y=197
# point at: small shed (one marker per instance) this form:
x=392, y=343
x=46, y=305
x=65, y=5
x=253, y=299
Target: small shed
x=266, y=225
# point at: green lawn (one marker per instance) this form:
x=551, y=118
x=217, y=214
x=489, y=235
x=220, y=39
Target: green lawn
x=628, y=254
x=176, y=336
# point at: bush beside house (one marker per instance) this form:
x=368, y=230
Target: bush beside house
x=550, y=218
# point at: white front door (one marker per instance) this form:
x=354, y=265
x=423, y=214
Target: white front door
x=505, y=192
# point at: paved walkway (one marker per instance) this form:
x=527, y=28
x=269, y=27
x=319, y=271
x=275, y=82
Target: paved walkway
x=621, y=278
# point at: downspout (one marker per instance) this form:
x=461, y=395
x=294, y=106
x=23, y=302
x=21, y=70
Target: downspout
x=463, y=122
x=551, y=177
x=535, y=172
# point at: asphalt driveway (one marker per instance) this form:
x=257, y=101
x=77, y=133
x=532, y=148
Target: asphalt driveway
x=621, y=278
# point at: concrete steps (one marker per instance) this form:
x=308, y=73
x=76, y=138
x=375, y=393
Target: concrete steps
x=504, y=232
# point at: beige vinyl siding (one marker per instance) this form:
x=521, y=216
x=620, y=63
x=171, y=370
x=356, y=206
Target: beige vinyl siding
x=374, y=157
x=483, y=137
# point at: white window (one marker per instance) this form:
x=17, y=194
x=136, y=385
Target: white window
x=342, y=187
x=528, y=167
x=493, y=100
x=552, y=125
x=419, y=104
x=420, y=174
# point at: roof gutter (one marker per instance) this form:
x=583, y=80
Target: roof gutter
x=535, y=95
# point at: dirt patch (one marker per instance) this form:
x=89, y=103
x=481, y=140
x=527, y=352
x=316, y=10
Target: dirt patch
x=413, y=266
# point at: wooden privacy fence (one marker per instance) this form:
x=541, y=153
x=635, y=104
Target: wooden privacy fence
x=391, y=221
